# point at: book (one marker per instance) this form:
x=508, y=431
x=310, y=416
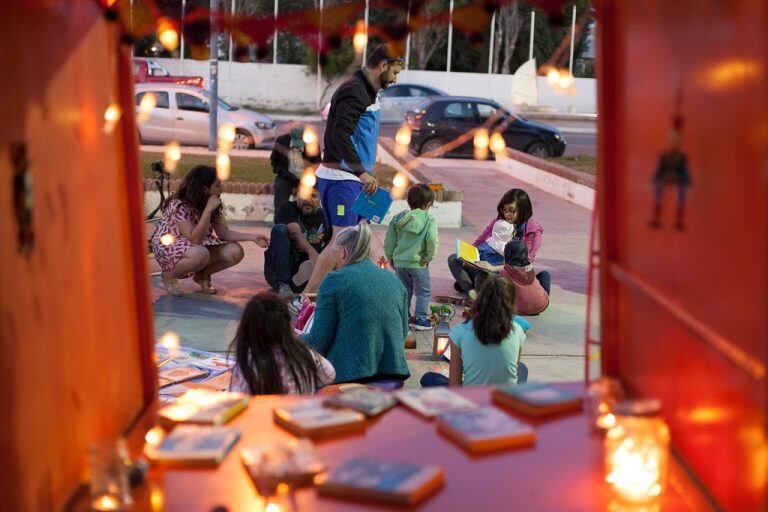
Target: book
x=431, y=402
x=204, y=406
x=269, y=464
x=370, y=402
x=373, y=207
x=535, y=398
x=195, y=445
x=485, y=429
x=179, y=374
x=398, y=483
x=469, y=254
x=310, y=419
x=217, y=383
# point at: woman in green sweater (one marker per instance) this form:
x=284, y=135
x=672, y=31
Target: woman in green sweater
x=361, y=317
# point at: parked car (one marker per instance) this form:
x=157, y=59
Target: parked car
x=181, y=114
x=149, y=70
x=398, y=99
x=441, y=119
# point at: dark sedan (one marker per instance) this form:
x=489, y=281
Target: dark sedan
x=442, y=119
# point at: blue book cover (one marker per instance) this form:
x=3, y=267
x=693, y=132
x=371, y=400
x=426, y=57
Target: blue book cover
x=373, y=207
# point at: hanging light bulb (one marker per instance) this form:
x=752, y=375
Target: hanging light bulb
x=307, y=183
x=146, y=105
x=553, y=75
x=111, y=117
x=167, y=34
x=312, y=148
x=167, y=239
x=403, y=139
x=498, y=146
x=170, y=341
x=226, y=136
x=222, y=166
x=481, y=144
x=400, y=184
x=172, y=156
x=565, y=80
x=361, y=37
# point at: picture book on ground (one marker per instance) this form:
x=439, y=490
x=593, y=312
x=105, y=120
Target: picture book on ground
x=471, y=255
x=179, y=374
x=373, y=207
x=370, y=402
x=536, y=398
x=485, y=429
x=204, y=406
x=195, y=445
x=398, y=483
x=431, y=402
x=311, y=419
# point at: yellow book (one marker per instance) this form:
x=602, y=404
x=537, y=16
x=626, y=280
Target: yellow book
x=471, y=255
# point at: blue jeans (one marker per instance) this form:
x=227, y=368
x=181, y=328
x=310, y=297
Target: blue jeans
x=416, y=281
x=282, y=259
x=434, y=379
x=545, y=279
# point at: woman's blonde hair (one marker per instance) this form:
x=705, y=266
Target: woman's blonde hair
x=356, y=241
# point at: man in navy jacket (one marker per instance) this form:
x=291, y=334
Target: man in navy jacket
x=349, y=156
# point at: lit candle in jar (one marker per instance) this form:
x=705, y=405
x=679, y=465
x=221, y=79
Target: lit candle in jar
x=105, y=502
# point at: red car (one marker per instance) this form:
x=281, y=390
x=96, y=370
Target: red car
x=150, y=70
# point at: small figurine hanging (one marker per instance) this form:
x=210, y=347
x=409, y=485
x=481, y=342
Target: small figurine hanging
x=672, y=171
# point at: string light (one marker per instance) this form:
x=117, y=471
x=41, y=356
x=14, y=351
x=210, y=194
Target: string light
x=403, y=139
x=553, y=76
x=361, y=37
x=565, y=80
x=172, y=156
x=312, y=148
x=498, y=146
x=154, y=436
x=170, y=341
x=222, y=166
x=146, y=105
x=167, y=239
x=167, y=34
x=399, y=185
x=307, y=183
x=481, y=144
x=111, y=117
x=226, y=136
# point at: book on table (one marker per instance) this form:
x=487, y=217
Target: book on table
x=204, y=406
x=179, y=374
x=370, y=402
x=373, y=207
x=294, y=462
x=485, y=429
x=310, y=418
x=194, y=445
x=398, y=483
x=471, y=255
x=536, y=398
x=431, y=402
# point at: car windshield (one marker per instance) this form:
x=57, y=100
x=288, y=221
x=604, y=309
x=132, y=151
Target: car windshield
x=223, y=104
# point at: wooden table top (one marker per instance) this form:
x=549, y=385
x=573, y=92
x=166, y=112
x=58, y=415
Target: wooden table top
x=561, y=473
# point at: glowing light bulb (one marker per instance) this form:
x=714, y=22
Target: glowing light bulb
x=309, y=136
x=105, y=502
x=400, y=180
x=497, y=144
x=361, y=37
x=167, y=34
x=147, y=104
x=481, y=143
x=222, y=166
x=154, y=436
x=111, y=117
x=172, y=156
x=167, y=239
x=566, y=80
x=403, y=135
x=226, y=136
x=170, y=341
x=308, y=179
x=553, y=76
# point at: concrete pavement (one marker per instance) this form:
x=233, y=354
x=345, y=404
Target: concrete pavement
x=554, y=349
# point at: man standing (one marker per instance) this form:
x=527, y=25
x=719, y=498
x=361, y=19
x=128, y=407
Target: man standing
x=298, y=237
x=351, y=138
x=289, y=159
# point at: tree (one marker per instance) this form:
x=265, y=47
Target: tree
x=430, y=38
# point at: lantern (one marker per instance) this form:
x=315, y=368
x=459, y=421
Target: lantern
x=445, y=314
x=601, y=397
x=637, y=451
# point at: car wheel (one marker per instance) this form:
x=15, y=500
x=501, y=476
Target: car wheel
x=431, y=145
x=539, y=149
x=242, y=140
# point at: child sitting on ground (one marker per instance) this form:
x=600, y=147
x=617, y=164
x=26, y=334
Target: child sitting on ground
x=492, y=250
x=268, y=357
x=411, y=243
x=531, y=289
x=486, y=349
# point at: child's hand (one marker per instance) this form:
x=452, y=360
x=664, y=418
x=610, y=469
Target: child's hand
x=424, y=262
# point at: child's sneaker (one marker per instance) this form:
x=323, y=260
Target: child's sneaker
x=421, y=323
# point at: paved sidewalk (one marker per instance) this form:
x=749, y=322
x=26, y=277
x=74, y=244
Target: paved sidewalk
x=554, y=348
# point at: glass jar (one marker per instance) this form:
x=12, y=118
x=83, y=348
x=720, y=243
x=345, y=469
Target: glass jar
x=601, y=397
x=637, y=451
x=108, y=461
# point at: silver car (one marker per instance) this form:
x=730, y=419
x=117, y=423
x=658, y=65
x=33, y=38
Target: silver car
x=397, y=99
x=181, y=114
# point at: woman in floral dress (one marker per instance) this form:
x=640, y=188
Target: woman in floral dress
x=200, y=241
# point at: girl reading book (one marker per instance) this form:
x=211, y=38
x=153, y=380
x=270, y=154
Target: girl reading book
x=486, y=348
x=268, y=357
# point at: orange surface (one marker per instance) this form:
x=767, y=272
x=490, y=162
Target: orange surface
x=684, y=312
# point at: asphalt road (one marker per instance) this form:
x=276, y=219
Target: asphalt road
x=577, y=142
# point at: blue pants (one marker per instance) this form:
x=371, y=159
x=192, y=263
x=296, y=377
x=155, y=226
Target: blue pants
x=416, y=281
x=489, y=254
x=282, y=259
x=434, y=379
x=337, y=198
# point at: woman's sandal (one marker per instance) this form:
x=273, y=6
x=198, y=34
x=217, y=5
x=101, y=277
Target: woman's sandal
x=205, y=285
x=172, y=287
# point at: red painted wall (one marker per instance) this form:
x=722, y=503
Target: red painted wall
x=74, y=313
x=685, y=313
